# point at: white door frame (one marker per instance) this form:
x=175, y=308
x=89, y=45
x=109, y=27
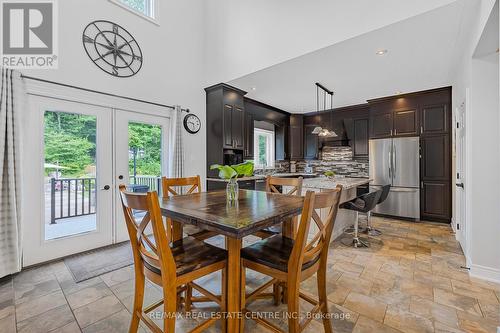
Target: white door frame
x=462, y=200
x=121, y=159
x=35, y=248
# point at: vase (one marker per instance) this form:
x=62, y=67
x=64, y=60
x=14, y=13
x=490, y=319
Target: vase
x=232, y=190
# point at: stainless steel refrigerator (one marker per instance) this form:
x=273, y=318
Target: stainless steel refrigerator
x=395, y=161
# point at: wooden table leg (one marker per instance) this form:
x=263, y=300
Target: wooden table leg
x=177, y=231
x=233, y=247
x=290, y=227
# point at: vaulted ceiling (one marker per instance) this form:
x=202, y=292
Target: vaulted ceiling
x=422, y=52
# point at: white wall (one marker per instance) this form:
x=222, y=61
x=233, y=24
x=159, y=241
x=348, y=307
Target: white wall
x=245, y=36
x=480, y=77
x=484, y=175
x=173, y=55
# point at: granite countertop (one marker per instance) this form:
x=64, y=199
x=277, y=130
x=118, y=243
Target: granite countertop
x=327, y=183
x=292, y=174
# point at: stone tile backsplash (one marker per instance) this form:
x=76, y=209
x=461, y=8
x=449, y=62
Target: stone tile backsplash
x=337, y=159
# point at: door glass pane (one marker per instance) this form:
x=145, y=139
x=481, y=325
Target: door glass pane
x=144, y=142
x=70, y=174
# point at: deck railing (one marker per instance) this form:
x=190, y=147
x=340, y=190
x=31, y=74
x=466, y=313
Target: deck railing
x=153, y=182
x=71, y=197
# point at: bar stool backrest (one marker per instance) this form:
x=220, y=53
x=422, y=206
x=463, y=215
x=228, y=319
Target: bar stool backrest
x=385, y=193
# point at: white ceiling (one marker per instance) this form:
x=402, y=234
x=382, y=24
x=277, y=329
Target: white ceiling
x=422, y=52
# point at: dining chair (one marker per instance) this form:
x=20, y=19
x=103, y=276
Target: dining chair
x=171, y=265
x=292, y=261
x=170, y=186
x=288, y=186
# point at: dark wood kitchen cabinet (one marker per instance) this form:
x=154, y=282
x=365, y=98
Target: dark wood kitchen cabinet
x=434, y=119
x=233, y=126
x=405, y=122
x=435, y=153
x=296, y=137
x=225, y=123
x=435, y=201
x=381, y=124
x=310, y=143
x=248, y=151
x=226, y=115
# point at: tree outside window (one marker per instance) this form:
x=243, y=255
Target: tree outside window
x=264, y=148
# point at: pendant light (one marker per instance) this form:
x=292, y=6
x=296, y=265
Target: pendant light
x=318, y=130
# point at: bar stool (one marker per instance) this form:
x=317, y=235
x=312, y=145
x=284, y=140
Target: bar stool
x=383, y=196
x=362, y=204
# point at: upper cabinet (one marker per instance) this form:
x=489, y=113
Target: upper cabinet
x=296, y=137
x=233, y=126
x=405, y=122
x=248, y=153
x=226, y=116
x=434, y=119
x=381, y=124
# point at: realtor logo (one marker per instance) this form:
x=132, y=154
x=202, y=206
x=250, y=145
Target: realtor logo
x=29, y=34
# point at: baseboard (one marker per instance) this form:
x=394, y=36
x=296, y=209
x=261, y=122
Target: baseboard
x=485, y=273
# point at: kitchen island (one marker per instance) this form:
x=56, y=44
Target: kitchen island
x=345, y=218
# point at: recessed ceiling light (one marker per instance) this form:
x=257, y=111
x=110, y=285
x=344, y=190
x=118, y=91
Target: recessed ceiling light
x=381, y=52
x=253, y=88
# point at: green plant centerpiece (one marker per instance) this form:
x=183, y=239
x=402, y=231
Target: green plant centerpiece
x=231, y=174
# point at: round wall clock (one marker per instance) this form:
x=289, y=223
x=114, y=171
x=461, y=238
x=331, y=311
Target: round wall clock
x=112, y=48
x=192, y=123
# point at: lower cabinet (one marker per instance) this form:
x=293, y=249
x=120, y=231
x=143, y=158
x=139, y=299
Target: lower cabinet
x=435, y=201
x=217, y=185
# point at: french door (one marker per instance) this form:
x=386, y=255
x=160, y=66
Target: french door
x=141, y=143
x=76, y=156
x=68, y=168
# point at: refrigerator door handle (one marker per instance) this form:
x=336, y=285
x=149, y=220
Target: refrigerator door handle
x=394, y=158
x=390, y=162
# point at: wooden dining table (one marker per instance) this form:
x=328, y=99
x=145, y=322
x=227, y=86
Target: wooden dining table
x=253, y=211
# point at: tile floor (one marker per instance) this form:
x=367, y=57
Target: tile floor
x=410, y=280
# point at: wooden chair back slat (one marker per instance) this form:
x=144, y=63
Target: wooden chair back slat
x=153, y=250
x=294, y=183
x=171, y=185
x=317, y=245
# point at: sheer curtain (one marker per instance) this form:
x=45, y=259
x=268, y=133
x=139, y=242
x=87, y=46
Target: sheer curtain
x=11, y=104
x=176, y=153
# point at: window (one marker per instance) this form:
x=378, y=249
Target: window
x=144, y=8
x=264, y=148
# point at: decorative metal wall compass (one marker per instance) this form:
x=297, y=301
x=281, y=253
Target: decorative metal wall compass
x=112, y=48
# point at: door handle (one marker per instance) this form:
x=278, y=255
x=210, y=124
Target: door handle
x=460, y=185
x=106, y=187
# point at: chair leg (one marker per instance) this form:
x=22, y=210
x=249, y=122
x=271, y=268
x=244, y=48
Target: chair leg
x=369, y=230
x=223, y=307
x=243, y=297
x=138, y=302
x=189, y=296
x=293, y=308
x=277, y=293
x=170, y=308
x=323, y=300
